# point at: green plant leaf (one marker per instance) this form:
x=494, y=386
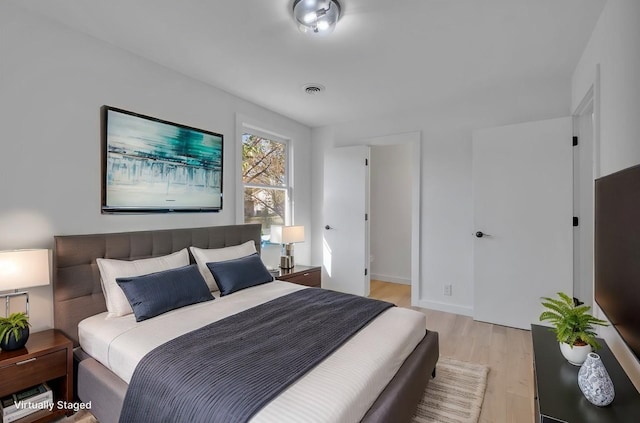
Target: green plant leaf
x=571, y=323
x=566, y=298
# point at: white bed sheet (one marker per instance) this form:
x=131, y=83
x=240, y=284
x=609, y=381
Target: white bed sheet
x=340, y=389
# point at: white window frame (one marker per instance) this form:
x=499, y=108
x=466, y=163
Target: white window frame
x=242, y=127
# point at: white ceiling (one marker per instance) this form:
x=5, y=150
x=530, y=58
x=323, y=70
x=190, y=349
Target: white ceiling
x=384, y=58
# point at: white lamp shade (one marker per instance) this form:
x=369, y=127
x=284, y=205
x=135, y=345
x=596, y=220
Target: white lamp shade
x=23, y=269
x=287, y=234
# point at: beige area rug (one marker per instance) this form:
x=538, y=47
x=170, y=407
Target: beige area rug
x=82, y=416
x=455, y=395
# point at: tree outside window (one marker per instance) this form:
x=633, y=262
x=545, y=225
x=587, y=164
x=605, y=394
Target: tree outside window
x=265, y=179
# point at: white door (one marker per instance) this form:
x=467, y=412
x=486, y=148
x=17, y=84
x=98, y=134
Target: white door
x=522, y=194
x=345, y=244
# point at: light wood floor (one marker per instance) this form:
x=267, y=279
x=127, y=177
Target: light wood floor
x=507, y=352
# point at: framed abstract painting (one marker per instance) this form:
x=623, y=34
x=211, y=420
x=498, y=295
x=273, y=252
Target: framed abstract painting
x=151, y=165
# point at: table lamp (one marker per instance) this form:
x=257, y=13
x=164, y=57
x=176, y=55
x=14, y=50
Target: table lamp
x=287, y=236
x=20, y=269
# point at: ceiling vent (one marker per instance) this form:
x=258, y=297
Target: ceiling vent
x=313, y=89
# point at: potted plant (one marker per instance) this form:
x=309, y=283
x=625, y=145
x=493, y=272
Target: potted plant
x=14, y=331
x=573, y=326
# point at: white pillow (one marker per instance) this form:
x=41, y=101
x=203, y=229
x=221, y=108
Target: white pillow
x=110, y=269
x=203, y=257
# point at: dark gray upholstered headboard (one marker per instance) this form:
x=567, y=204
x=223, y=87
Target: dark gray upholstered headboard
x=77, y=293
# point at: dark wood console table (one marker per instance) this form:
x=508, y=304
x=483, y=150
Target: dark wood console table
x=558, y=397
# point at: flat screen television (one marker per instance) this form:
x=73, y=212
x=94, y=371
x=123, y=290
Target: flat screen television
x=617, y=252
x=151, y=165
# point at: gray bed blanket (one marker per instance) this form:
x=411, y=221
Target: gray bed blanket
x=228, y=370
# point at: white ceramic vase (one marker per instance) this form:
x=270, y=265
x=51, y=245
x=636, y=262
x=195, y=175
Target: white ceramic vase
x=575, y=355
x=594, y=381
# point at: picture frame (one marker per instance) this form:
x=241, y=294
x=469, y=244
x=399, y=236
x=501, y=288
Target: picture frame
x=150, y=165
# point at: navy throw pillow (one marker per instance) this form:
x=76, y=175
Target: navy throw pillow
x=234, y=275
x=156, y=293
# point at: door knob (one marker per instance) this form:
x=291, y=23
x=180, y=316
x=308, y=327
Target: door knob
x=327, y=227
x=481, y=234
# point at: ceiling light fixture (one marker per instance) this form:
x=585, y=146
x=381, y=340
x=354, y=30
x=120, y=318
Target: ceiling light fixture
x=316, y=17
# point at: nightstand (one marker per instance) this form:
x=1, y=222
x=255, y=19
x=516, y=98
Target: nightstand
x=302, y=275
x=47, y=357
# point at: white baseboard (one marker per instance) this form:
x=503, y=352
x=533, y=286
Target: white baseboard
x=446, y=307
x=393, y=279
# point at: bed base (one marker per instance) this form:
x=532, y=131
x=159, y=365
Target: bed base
x=399, y=399
x=397, y=402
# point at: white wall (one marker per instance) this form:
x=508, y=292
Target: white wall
x=615, y=46
x=446, y=202
x=390, y=213
x=52, y=83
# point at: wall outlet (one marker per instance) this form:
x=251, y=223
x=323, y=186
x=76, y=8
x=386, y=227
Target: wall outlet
x=447, y=290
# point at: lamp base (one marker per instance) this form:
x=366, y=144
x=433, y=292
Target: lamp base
x=7, y=298
x=286, y=262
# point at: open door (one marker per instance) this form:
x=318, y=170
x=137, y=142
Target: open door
x=522, y=195
x=345, y=244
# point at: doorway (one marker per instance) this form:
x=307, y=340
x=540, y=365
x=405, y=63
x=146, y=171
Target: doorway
x=390, y=213
x=339, y=271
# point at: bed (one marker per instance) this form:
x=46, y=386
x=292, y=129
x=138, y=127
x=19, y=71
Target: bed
x=78, y=296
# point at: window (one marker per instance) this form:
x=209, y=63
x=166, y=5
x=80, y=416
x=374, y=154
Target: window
x=265, y=180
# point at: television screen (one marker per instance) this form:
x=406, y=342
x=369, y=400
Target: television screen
x=151, y=165
x=617, y=252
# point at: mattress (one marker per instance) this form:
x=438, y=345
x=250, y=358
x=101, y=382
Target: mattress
x=341, y=388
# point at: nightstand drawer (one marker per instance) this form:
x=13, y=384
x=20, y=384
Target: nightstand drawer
x=311, y=278
x=32, y=371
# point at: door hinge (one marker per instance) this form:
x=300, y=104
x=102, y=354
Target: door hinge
x=366, y=162
x=366, y=272
x=576, y=221
x=575, y=141
x=366, y=216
